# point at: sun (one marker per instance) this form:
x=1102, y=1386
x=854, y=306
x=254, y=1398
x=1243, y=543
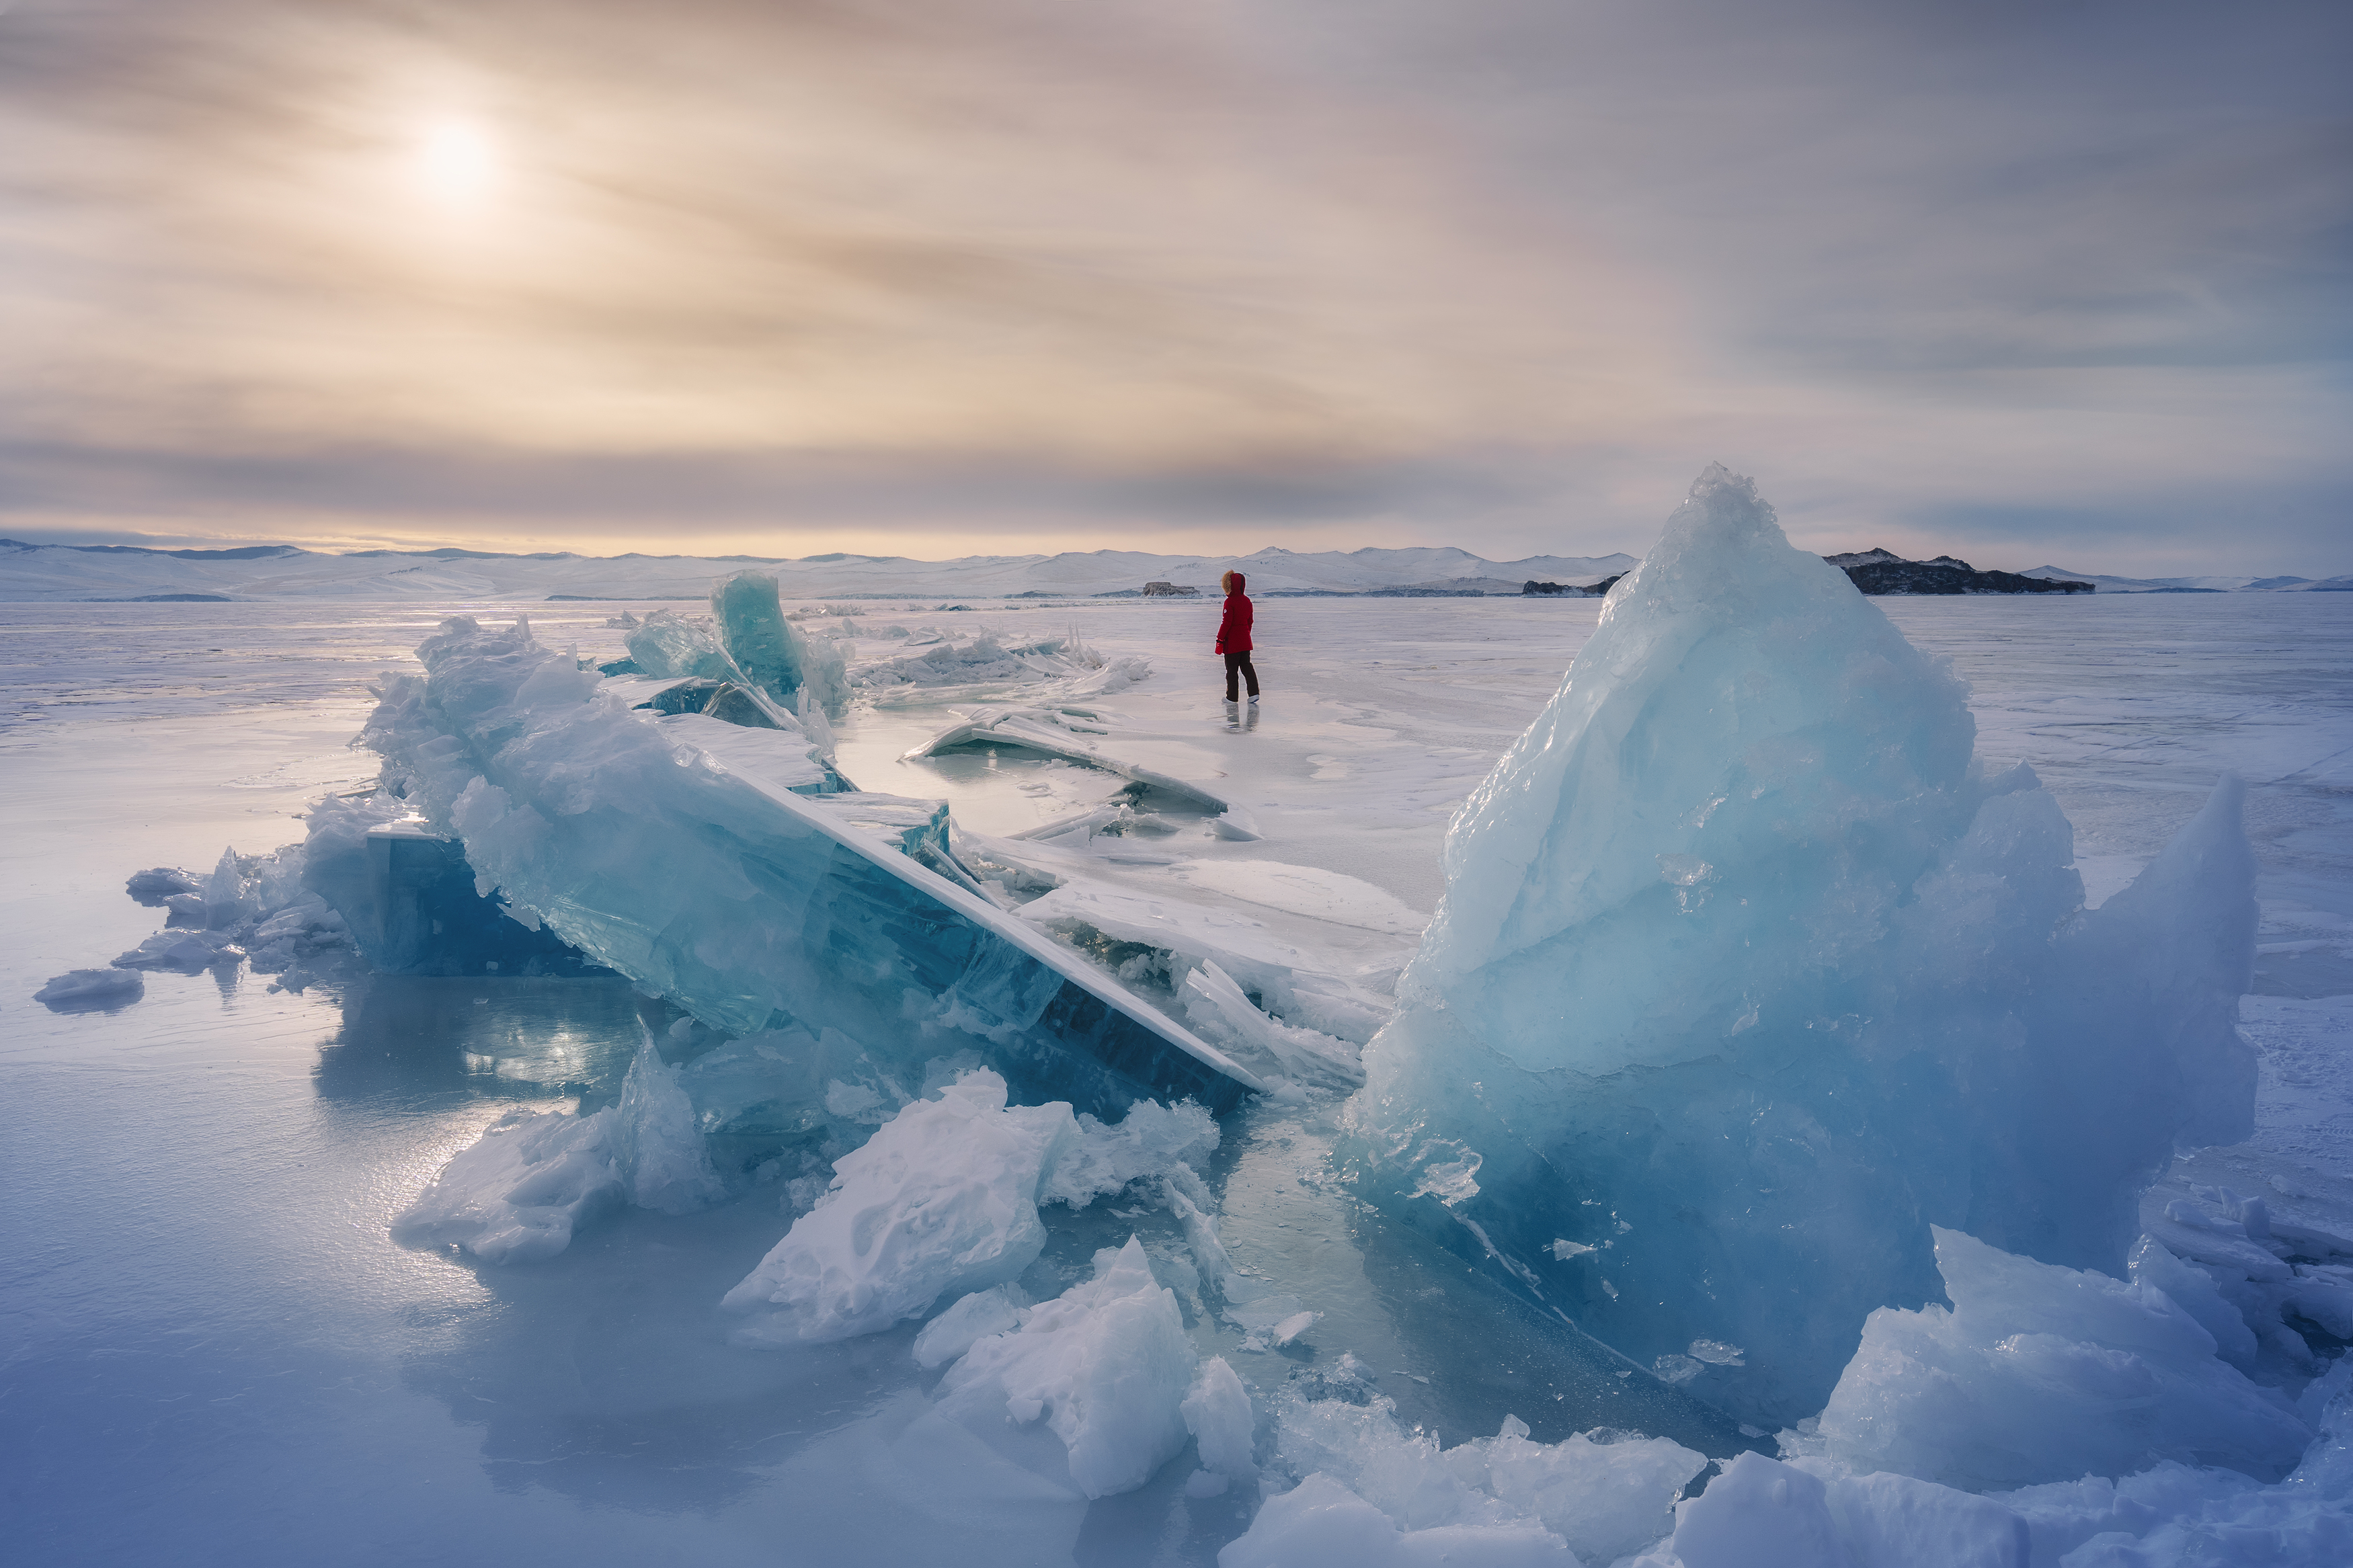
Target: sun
x=456, y=162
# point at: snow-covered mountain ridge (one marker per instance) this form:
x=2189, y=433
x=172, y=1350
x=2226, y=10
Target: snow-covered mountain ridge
x=56, y=572
x=114, y=572
x=2197, y=584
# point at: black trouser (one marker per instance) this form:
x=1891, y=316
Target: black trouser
x=1239, y=661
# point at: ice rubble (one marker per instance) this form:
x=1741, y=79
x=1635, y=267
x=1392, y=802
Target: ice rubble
x=1812, y=1512
x=2043, y=1373
x=1744, y=977
x=1106, y=1364
x=534, y=1177
x=251, y=908
x=2224, y=1260
x=1299, y=986
x=942, y=1203
x=771, y=651
x=1762, y=1513
x=157, y=883
x=1370, y=1491
x=1218, y=1411
x=688, y=870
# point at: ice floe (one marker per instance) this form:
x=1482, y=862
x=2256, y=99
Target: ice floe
x=78, y=989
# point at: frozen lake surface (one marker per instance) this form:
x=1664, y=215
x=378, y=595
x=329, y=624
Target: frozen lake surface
x=215, y=1353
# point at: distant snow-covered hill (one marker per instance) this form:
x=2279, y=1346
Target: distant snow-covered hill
x=2197, y=584
x=57, y=571
x=113, y=571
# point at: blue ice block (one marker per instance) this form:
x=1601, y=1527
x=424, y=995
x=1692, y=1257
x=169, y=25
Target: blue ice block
x=704, y=878
x=408, y=899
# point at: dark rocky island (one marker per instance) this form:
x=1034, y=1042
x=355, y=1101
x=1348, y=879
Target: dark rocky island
x=1570, y=590
x=1883, y=572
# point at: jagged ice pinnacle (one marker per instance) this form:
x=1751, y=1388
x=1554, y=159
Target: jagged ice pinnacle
x=1746, y=975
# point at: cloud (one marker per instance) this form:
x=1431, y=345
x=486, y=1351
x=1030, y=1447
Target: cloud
x=1324, y=273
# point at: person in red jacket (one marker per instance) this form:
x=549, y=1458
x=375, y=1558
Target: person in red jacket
x=1234, y=636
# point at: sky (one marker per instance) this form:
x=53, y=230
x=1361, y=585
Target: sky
x=2027, y=283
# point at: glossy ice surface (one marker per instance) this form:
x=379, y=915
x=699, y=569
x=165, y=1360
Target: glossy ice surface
x=217, y=1352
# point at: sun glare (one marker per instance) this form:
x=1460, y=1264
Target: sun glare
x=456, y=162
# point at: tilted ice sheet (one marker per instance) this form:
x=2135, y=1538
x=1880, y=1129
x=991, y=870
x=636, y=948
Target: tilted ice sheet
x=1302, y=986
x=731, y=895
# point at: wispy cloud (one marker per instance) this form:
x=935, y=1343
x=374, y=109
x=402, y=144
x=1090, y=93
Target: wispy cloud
x=921, y=277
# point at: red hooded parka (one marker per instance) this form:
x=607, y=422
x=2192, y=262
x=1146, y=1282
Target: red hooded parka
x=1234, y=630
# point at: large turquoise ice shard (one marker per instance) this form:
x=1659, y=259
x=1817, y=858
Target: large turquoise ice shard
x=763, y=643
x=670, y=646
x=1746, y=975
x=770, y=650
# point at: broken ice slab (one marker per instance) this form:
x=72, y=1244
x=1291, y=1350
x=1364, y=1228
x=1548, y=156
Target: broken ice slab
x=670, y=850
x=1301, y=986
x=667, y=643
x=90, y=990
x=1051, y=731
x=774, y=657
x=158, y=883
x=796, y=750
x=780, y=757
x=408, y=899
x=918, y=829
x=187, y=951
